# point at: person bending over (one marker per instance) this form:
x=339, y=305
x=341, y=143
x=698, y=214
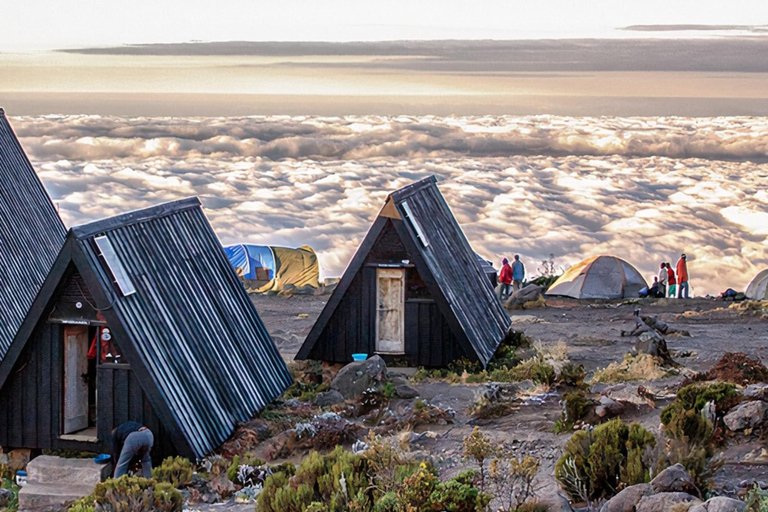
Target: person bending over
x=130, y=441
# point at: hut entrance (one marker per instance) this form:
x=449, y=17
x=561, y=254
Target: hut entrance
x=390, y=318
x=76, y=379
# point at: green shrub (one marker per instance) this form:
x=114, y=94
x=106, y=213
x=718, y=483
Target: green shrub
x=437, y=374
x=577, y=407
x=458, y=495
x=124, y=494
x=82, y=505
x=536, y=370
x=382, y=479
x=756, y=499
x=595, y=464
x=318, y=478
x=9, y=484
x=176, y=471
x=690, y=433
x=572, y=375
x=167, y=498
x=389, y=502
x=130, y=494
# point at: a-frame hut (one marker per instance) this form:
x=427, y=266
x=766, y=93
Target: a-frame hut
x=141, y=318
x=31, y=234
x=414, y=291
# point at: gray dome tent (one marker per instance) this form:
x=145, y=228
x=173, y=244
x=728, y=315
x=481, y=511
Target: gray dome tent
x=758, y=287
x=599, y=277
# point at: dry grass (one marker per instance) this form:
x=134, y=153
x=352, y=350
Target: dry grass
x=639, y=367
x=751, y=308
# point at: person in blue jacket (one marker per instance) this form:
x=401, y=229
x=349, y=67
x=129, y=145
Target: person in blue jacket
x=518, y=273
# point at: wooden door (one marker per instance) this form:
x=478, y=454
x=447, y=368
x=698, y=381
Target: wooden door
x=390, y=317
x=75, y=378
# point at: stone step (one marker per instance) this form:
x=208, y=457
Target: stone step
x=51, y=497
x=47, y=469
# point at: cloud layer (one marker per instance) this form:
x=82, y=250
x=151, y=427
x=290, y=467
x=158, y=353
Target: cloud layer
x=645, y=189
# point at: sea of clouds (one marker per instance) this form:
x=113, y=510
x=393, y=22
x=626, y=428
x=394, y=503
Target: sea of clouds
x=645, y=189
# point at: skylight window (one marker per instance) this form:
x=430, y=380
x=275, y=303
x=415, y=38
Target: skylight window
x=115, y=266
x=416, y=226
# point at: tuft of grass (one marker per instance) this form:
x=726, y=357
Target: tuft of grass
x=631, y=368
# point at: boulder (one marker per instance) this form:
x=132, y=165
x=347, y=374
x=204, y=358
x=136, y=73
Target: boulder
x=720, y=504
x=607, y=407
x=328, y=398
x=756, y=391
x=627, y=499
x=746, y=415
x=651, y=343
x=528, y=293
x=664, y=501
x=358, y=376
x=406, y=391
x=397, y=379
x=673, y=479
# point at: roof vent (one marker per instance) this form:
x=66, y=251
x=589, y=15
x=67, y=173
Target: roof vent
x=119, y=275
x=419, y=233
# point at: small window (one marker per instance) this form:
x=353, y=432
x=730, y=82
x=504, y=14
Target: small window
x=416, y=227
x=115, y=266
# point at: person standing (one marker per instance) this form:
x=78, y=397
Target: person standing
x=518, y=273
x=131, y=440
x=682, y=277
x=505, y=280
x=663, y=278
x=671, y=282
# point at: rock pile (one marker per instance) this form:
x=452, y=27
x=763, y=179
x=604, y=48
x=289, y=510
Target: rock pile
x=670, y=487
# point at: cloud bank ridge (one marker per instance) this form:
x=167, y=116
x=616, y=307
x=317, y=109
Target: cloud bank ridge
x=645, y=189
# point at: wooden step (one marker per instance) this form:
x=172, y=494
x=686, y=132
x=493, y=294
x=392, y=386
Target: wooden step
x=47, y=469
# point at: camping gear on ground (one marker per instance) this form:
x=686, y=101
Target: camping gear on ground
x=266, y=268
x=758, y=287
x=599, y=277
x=21, y=478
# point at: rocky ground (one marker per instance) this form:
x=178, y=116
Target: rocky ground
x=591, y=333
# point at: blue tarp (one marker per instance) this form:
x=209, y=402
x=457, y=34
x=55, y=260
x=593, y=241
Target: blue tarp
x=250, y=257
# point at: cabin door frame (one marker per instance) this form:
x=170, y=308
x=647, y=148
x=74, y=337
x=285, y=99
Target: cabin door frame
x=75, y=398
x=390, y=311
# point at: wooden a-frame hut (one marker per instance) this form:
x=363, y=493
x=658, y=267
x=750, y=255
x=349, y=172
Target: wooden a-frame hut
x=141, y=318
x=414, y=291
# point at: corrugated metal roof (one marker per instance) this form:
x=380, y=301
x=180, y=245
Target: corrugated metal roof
x=190, y=321
x=454, y=265
x=31, y=234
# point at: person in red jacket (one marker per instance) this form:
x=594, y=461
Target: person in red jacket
x=505, y=279
x=671, y=281
x=682, y=277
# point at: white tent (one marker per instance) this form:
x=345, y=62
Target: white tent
x=758, y=287
x=599, y=277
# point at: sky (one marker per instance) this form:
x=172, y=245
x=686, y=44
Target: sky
x=42, y=24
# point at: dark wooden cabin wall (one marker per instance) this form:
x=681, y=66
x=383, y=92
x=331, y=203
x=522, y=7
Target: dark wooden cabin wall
x=429, y=340
x=351, y=328
x=31, y=400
